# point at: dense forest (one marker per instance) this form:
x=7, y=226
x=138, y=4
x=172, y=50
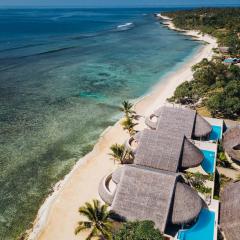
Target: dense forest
x=215, y=86
x=222, y=23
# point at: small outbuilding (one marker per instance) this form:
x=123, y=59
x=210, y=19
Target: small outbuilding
x=143, y=193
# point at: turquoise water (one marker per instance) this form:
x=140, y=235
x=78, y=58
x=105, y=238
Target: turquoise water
x=203, y=228
x=209, y=161
x=216, y=133
x=63, y=74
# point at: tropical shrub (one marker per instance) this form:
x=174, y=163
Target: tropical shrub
x=139, y=230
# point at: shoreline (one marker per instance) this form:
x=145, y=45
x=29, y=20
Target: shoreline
x=58, y=216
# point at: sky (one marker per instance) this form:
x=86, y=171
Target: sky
x=117, y=3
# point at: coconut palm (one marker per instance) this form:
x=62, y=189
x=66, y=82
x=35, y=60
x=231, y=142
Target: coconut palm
x=129, y=125
x=117, y=152
x=127, y=108
x=121, y=154
x=98, y=223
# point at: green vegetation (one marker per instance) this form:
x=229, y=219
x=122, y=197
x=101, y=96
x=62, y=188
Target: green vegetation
x=143, y=230
x=127, y=109
x=128, y=122
x=220, y=182
x=121, y=154
x=221, y=158
x=98, y=220
x=222, y=23
x=215, y=86
x=198, y=181
x=100, y=226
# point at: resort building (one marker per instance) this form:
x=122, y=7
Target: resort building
x=142, y=193
x=177, y=121
x=166, y=152
x=154, y=186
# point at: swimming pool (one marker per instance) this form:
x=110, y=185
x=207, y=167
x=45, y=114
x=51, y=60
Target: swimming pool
x=216, y=133
x=209, y=161
x=203, y=228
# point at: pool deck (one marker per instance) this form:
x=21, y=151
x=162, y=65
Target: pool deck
x=215, y=122
x=208, y=146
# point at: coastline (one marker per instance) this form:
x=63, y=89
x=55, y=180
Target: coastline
x=58, y=216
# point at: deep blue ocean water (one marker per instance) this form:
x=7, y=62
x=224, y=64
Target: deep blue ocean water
x=63, y=74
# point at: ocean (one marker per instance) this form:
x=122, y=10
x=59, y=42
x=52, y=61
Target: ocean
x=63, y=75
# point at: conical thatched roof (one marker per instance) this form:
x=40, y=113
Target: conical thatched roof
x=191, y=156
x=145, y=193
x=230, y=211
x=231, y=142
x=186, y=205
x=202, y=128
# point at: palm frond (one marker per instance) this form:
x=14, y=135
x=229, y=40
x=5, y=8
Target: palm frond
x=94, y=233
x=82, y=226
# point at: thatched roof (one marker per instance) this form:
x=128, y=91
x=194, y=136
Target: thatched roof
x=116, y=176
x=201, y=128
x=192, y=156
x=176, y=121
x=230, y=211
x=166, y=152
x=186, y=205
x=181, y=121
x=159, y=151
x=231, y=142
x=149, y=194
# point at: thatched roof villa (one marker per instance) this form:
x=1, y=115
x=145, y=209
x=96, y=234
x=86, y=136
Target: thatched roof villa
x=231, y=143
x=152, y=188
x=230, y=211
x=179, y=121
x=167, y=152
x=144, y=193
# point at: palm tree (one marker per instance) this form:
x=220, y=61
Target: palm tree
x=129, y=125
x=98, y=223
x=121, y=154
x=127, y=108
x=117, y=152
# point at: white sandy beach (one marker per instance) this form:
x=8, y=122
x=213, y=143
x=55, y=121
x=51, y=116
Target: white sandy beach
x=59, y=215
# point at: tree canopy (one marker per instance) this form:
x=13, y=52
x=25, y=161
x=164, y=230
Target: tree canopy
x=217, y=85
x=222, y=23
x=139, y=230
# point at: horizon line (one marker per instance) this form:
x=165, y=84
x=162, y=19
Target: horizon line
x=124, y=6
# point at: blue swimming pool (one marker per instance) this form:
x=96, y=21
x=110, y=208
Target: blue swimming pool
x=209, y=161
x=216, y=133
x=202, y=230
